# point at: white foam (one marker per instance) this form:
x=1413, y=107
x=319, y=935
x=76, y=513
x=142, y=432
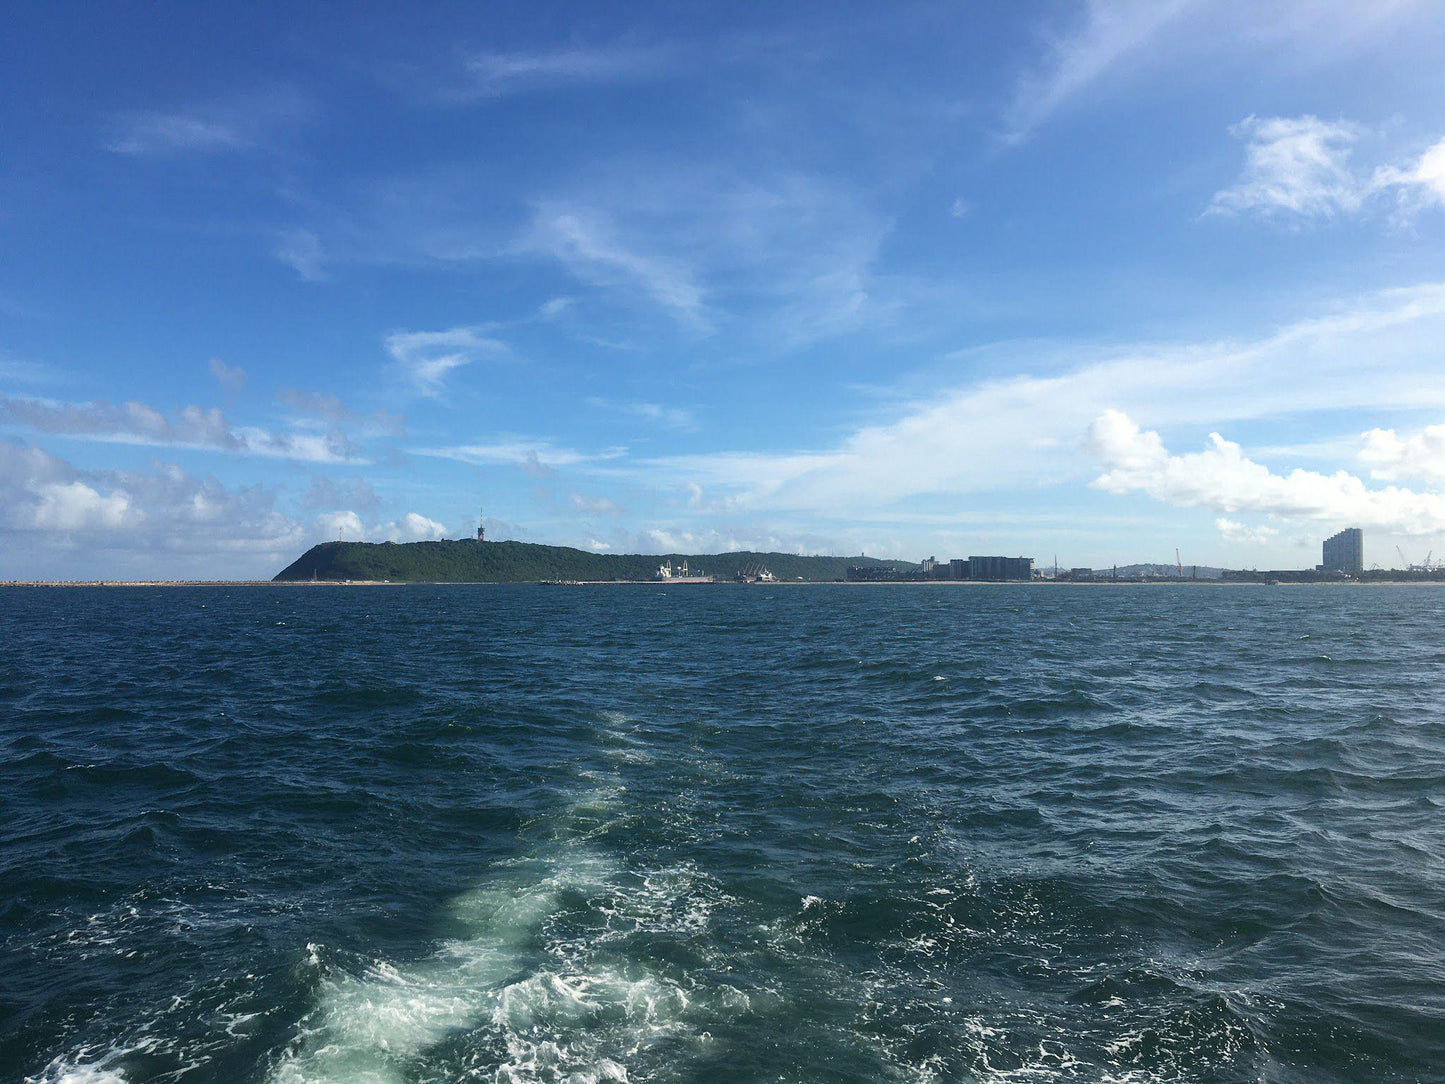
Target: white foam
x=66, y=1072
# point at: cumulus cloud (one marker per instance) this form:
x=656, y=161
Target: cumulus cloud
x=1393, y=458
x=413, y=527
x=73, y=506
x=189, y=427
x=346, y=525
x=60, y=521
x=429, y=357
x=1223, y=479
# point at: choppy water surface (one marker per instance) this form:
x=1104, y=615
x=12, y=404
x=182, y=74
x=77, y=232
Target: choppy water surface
x=396, y=835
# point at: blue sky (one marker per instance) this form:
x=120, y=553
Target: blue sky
x=1096, y=279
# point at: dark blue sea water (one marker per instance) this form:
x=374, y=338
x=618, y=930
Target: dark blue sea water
x=813, y=834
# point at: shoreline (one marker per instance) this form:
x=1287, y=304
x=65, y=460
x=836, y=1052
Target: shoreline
x=719, y=583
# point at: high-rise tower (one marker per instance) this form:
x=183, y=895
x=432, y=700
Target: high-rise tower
x=481, y=524
x=1345, y=552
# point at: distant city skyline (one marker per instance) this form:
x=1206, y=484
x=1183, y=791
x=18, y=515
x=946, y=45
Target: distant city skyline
x=1102, y=280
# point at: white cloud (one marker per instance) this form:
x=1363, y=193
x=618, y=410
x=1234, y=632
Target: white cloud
x=150, y=133
x=243, y=123
x=489, y=75
x=1223, y=479
x=555, y=307
x=670, y=416
x=793, y=251
x=589, y=246
x=347, y=526
x=429, y=357
x=344, y=526
x=413, y=527
x=539, y=455
x=189, y=427
x=73, y=506
x=232, y=378
x=58, y=521
x=595, y=505
x=1233, y=531
x=1393, y=458
x=1172, y=40
x=1298, y=165
x=301, y=250
x=1024, y=431
x=1112, y=31
x=1418, y=184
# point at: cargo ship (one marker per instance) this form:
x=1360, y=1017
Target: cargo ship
x=666, y=573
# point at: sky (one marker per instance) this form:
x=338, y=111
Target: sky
x=1092, y=281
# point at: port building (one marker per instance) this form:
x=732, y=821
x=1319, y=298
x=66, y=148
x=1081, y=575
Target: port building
x=1345, y=552
x=1000, y=568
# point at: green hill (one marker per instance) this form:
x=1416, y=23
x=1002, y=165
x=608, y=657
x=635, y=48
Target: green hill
x=467, y=561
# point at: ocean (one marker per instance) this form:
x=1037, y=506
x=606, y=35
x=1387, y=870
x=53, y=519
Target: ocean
x=393, y=835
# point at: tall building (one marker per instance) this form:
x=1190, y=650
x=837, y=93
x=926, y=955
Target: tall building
x=1345, y=552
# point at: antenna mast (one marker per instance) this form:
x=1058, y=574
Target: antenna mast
x=481, y=524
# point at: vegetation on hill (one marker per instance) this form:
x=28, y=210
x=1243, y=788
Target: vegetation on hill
x=468, y=561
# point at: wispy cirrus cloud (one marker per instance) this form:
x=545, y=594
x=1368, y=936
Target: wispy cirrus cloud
x=538, y=456
x=793, y=251
x=189, y=427
x=670, y=417
x=428, y=358
x=1024, y=431
x=238, y=124
x=1115, y=41
x=1112, y=32
x=300, y=250
x=488, y=75
x=588, y=243
x=1295, y=165
x=310, y=408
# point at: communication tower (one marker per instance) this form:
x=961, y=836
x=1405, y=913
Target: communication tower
x=481, y=524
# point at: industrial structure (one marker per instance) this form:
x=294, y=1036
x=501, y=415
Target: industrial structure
x=1344, y=552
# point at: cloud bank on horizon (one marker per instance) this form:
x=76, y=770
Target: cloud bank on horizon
x=1097, y=279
